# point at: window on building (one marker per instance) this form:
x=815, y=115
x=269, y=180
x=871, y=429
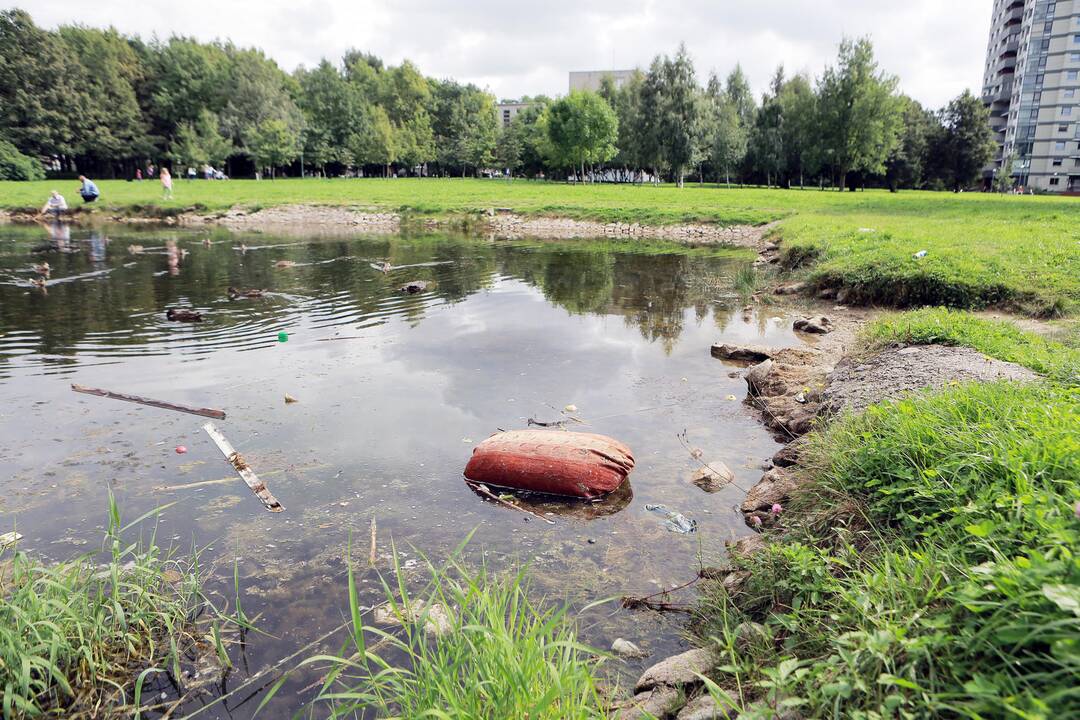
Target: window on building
x=1076, y=39
x=1066, y=111
x=1074, y=57
x=1072, y=75
x=1071, y=92
x=1059, y=145
x=1054, y=181
x=1056, y=162
x=1063, y=128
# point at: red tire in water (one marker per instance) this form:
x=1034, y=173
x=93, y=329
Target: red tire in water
x=580, y=465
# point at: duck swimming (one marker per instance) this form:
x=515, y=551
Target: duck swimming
x=235, y=294
x=183, y=315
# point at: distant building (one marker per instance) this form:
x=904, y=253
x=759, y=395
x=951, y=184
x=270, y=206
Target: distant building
x=1032, y=87
x=506, y=112
x=591, y=79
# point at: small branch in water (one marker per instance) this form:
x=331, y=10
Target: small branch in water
x=632, y=603
x=372, y=556
x=696, y=454
x=204, y=412
x=482, y=489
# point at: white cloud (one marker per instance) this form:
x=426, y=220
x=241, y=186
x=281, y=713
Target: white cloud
x=935, y=47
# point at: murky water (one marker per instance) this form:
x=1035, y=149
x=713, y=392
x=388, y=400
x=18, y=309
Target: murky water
x=394, y=391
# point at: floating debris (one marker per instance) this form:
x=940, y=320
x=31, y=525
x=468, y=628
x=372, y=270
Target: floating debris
x=673, y=521
x=204, y=412
x=240, y=465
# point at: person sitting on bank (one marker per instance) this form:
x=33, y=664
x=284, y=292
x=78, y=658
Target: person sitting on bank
x=88, y=190
x=55, y=205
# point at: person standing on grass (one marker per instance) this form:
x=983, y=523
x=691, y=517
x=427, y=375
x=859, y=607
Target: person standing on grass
x=55, y=205
x=166, y=184
x=88, y=190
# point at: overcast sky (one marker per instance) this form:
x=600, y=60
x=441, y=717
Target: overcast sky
x=936, y=47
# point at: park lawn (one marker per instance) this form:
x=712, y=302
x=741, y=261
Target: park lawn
x=1017, y=252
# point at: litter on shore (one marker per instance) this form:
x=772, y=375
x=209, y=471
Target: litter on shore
x=204, y=412
x=240, y=465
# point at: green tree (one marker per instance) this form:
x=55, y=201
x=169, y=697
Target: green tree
x=272, y=143
x=333, y=112
x=729, y=139
x=740, y=96
x=375, y=143
x=625, y=100
x=907, y=165
x=185, y=77
x=509, y=147
x=766, y=141
x=582, y=129
x=969, y=142
x=677, y=122
x=258, y=92
x=110, y=121
x=200, y=142
x=38, y=99
x=799, y=133
x=1003, y=179
x=859, y=112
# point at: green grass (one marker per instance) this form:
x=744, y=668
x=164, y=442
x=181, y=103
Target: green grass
x=499, y=656
x=995, y=338
x=78, y=639
x=1018, y=252
x=932, y=570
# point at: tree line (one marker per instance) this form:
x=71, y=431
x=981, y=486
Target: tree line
x=96, y=101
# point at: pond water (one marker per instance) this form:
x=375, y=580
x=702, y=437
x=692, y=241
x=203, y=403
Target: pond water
x=394, y=391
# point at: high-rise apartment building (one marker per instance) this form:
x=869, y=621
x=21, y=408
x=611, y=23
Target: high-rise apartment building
x=1032, y=87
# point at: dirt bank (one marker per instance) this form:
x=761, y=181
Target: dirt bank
x=299, y=218
x=508, y=225
x=799, y=389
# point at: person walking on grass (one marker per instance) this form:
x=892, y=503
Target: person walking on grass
x=166, y=184
x=88, y=190
x=56, y=205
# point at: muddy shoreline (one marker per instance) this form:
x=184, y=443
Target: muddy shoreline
x=799, y=391
x=499, y=222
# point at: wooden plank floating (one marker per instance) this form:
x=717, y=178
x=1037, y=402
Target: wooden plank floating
x=10, y=538
x=246, y=473
x=204, y=412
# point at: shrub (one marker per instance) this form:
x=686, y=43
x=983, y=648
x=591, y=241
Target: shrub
x=16, y=166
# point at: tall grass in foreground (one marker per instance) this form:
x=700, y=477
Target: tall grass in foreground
x=935, y=570
x=471, y=645
x=74, y=635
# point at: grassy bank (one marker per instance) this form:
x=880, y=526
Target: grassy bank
x=928, y=565
x=981, y=250
x=928, y=569
x=79, y=639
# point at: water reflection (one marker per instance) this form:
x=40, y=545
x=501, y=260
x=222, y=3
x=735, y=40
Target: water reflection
x=107, y=295
x=394, y=392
